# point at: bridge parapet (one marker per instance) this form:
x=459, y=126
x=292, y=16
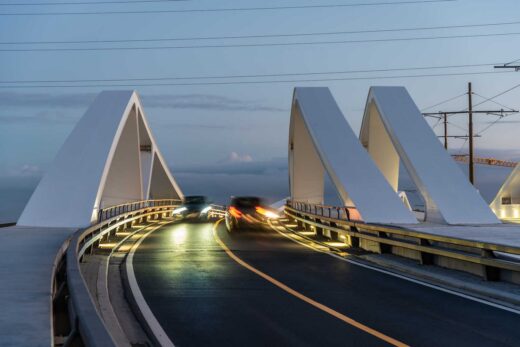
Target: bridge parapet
x=116, y=210
x=75, y=316
x=489, y=251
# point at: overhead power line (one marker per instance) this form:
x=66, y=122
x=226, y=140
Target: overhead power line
x=499, y=94
x=234, y=9
x=311, y=73
x=242, y=45
x=444, y=102
x=486, y=99
x=130, y=85
x=510, y=65
x=324, y=33
x=85, y=2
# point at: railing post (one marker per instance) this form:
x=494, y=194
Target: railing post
x=488, y=272
x=354, y=240
x=383, y=247
x=319, y=231
x=426, y=258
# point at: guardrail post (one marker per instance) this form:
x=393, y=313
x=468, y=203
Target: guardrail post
x=354, y=240
x=488, y=272
x=426, y=258
x=334, y=236
x=306, y=226
x=384, y=248
x=319, y=231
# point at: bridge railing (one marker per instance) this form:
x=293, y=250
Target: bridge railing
x=76, y=320
x=349, y=213
x=217, y=211
x=490, y=260
x=112, y=211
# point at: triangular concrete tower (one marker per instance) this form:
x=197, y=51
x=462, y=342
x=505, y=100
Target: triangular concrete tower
x=109, y=158
x=321, y=140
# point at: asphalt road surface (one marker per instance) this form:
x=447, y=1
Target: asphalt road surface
x=285, y=294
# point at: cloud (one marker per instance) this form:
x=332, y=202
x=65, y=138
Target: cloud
x=206, y=102
x=223, y=126
x=48, y=100
x=168, y=101
x=275, y=166
x=234, y=157
x=26, y=170
x=45, y=116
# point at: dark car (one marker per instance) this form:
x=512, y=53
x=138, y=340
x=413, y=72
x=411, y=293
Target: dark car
x=247, y=212
x=194, y=207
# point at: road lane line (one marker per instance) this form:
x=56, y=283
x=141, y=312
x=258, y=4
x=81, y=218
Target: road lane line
x=154, y=325
x=304, y=298
x=403, y=277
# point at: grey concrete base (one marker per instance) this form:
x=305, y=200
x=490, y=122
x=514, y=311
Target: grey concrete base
x=102, y=273
x=500, y=292
x=502, y=234
x=27, y=256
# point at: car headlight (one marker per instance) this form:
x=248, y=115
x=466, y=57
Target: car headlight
x=270, y=214
x=205, y=210
x=179, y=210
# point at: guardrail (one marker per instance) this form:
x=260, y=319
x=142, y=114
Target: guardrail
x=427, y=248
x=349, y=213
x=76, y=320
x=113, y=211
x=217, y=211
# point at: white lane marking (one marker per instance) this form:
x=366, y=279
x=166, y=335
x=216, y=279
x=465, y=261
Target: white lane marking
x=154, y=325
x=429, y=285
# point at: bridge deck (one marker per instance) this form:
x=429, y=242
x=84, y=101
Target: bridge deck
x=502, y=234
x=201, y=296
x=26, y=265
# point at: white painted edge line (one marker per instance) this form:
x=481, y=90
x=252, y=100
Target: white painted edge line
x=105, y=306
x=154, y=325
x=390, y=273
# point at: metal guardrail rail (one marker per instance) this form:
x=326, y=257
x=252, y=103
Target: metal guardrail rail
x=427, y=245
x=76, y=321
x=217, y=211
x=113, y=211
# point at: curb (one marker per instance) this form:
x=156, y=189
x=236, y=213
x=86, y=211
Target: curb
x=131, y=288
x=493, y=296
x=479, y=291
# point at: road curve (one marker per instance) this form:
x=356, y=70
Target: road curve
x=201, y=296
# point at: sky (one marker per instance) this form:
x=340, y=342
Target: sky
x=207, y=129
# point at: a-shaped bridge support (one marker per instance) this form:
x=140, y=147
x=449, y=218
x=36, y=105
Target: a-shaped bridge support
x=320, y=140
x=506, y=203
x=394, y=129
x=109, y=158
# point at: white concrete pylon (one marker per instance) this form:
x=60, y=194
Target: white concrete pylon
x=320, y=140
x=506, y=203
x=394, y=129
x=109, y=158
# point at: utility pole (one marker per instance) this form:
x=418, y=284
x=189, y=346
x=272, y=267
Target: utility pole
x=510, y=65
x=445, y=131
x=443, y=115
x=470, y=130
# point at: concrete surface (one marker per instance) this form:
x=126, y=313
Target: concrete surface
x=500, y=292
x=503, y=234
x=26, y=264
x=447, y=193
x=101, y=164
x=320, y=139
